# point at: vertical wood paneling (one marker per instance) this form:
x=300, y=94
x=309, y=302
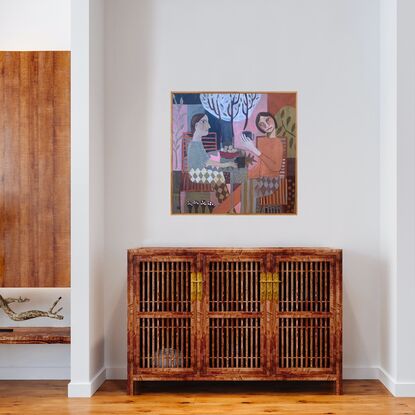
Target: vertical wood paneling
x=25, y=176
x=46, y=174
x=11, y=168
x=61, y=164
x=35, y=169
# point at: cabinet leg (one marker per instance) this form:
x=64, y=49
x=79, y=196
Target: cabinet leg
x=130, y=387
x=339, y=387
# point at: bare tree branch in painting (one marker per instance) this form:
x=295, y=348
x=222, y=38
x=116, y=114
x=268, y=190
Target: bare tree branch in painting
x=227, y=107
x=178, y=129
x=232, y=108
x=27, y=315
x=249, y=101
x=214, y=105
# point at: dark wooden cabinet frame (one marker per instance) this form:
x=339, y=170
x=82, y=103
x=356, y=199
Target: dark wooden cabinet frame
x=234, y=314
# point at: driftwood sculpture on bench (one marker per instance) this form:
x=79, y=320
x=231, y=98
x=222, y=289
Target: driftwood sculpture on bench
x=27, y=315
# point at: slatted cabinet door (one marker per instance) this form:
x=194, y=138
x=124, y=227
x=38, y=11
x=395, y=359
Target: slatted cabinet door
x=163, y=331
x=233, y=317
x=306, y=319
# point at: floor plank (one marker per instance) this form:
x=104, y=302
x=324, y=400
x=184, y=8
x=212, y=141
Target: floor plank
x=176, y=398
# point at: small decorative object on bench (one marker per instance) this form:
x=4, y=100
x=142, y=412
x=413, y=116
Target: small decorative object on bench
x=28, y=315
x=234, y=314
x=32, y=335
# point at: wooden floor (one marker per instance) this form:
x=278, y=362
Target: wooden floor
x=49, y=397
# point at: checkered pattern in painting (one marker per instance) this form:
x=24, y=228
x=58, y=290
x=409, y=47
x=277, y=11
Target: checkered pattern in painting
x=222, y=191
x=206, y=176
x=265, y=186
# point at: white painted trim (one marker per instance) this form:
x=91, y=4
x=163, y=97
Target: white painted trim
x=81, y=309
x=117, y=373
x=405, y=390
x=398, y=389
x=35, y=373
x=87, y=389
x=387, y=380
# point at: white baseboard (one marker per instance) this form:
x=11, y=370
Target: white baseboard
x=116, y=373
x=405, y=390
x=35, y=373
x=87, y=389
x=387, y=380
x=398, y=389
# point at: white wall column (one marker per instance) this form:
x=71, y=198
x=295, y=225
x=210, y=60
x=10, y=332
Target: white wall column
x=397, y=200
x=80, y=304
x=87, y=349
x=405, y=301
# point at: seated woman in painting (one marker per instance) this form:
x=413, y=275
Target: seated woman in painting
x=199, y=159
x=269, y=153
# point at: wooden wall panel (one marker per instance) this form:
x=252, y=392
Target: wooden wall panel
x=35, y=169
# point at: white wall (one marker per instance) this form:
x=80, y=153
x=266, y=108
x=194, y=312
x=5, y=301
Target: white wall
x=326, y=50
x=35, y=25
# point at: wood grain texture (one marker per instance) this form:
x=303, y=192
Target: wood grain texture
x=35, y=169
x=268, y=313
x=36, y=335
x=247, y=398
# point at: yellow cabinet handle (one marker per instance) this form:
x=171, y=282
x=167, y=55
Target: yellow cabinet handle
x=193, y=280
x=276, y=285
x=269, y=286
x=196, y=287
x=199, y=284
x=263, y=286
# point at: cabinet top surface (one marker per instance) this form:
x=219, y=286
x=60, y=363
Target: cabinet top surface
x=239, y=250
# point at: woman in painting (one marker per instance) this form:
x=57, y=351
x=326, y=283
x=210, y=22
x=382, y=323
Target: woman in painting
x=199, y=159
x=269, y=153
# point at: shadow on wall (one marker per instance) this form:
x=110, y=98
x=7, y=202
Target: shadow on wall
x=128, y=67
x=358, y=343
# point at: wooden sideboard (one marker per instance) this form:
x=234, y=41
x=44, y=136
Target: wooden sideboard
x=234, y=314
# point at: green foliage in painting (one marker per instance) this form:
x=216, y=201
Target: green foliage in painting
x=287, y=127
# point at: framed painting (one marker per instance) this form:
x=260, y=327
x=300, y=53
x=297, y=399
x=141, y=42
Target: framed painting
x=234, y=153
